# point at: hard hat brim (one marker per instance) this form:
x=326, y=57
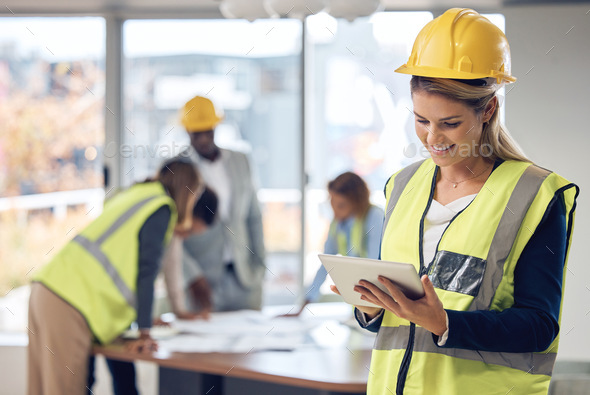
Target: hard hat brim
x=435, y=72
x=196, y=127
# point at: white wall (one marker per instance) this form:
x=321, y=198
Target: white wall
x=13, y=364
x=548, y=112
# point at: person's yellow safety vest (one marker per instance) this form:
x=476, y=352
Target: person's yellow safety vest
x=480, y=247
x=357, y=246
x=96, y=272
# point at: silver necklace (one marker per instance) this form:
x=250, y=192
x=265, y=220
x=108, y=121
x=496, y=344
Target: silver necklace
x=455, y=183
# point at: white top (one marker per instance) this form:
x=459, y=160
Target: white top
x=215, y=175
x=436, y=221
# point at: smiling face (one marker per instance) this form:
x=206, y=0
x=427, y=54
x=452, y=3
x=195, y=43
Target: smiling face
x=448, y=129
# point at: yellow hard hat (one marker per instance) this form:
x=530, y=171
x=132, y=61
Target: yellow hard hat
x=198, y=115
x=460, y=44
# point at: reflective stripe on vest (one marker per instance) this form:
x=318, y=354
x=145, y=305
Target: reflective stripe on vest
x=93, y=248
x=396, y=338
x=525, y=191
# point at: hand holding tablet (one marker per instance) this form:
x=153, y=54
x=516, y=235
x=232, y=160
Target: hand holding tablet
x=346, y=272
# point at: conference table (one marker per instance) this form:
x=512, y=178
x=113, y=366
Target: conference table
x=333, y=358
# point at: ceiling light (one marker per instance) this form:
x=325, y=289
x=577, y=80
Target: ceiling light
x=295, y=8
x=351, y=9
x=243, y=9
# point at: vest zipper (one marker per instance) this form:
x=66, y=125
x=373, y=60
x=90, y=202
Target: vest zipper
x=405, y=365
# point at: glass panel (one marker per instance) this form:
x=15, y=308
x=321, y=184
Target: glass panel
x=251, y=71
x=52, y=116
x=359, y=110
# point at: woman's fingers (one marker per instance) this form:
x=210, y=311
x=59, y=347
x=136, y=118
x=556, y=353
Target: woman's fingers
x=367, y=295
x=378, y=292
x=149, y=345
x=394, y=291
x=429, y=291
x=376, y=302
x=427, y=311
x=142, y=346
x=379, y=297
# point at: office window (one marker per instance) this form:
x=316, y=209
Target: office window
x=251, y=71
x=360, y=115
x=52, y=116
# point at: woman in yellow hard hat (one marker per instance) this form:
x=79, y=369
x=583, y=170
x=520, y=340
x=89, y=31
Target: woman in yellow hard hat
x=486, y=228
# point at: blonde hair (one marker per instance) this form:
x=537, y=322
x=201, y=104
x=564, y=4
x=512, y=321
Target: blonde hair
x=476, y=94
x=183, y=183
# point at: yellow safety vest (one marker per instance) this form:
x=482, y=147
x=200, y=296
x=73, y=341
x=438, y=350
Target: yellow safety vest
x=357, y=246
x=96, y=272
x=481, y=247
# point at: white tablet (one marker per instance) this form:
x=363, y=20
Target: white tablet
x=347, y=271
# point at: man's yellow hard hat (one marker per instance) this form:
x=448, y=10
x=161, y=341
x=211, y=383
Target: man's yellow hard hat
x=460, y=44
x=198, y=115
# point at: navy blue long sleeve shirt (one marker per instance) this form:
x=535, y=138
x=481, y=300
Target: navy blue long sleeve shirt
x=531, y=324
x=151, y=247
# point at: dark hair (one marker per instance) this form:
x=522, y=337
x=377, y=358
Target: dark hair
x=355, y=189
x=206, y=206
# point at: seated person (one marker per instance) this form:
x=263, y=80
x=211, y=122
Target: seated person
x=355, y=229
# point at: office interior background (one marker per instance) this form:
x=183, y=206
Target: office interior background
x=90, y=94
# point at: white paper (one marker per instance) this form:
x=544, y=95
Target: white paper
x=247, y=331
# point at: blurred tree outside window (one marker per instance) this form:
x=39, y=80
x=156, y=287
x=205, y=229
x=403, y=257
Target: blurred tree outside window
x=52, y=84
